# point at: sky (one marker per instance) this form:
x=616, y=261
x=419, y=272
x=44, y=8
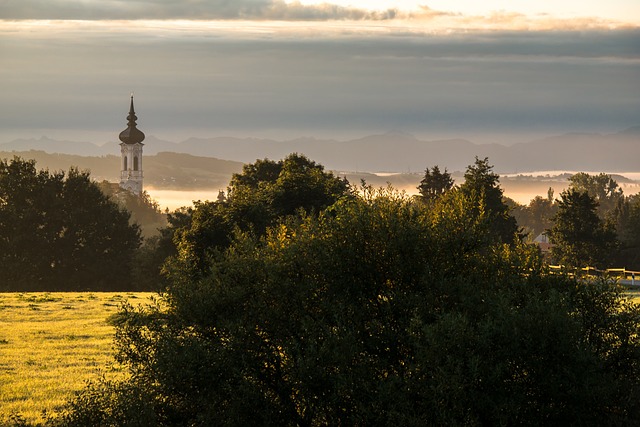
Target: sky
x=491, y=71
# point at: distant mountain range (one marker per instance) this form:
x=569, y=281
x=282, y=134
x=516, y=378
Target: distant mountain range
x=390, y=152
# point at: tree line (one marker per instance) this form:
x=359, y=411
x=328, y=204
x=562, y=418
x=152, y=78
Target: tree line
x=300, y=299
x=64, y=232
x=591, y=224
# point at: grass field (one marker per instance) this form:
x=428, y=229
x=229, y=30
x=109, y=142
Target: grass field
x=633, y=294
x=51, y=344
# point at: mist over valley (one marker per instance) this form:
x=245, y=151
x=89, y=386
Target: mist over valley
x=197, y=168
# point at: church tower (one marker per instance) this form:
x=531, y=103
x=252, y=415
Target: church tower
x=131, y=149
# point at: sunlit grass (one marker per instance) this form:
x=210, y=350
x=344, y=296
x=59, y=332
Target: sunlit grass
x=51, y=344
x=633, y=294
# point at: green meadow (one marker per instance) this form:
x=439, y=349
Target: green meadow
x=51, y=344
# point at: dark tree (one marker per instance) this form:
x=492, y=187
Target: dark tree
x=627, y=216
x=61, y=233
x=435, y=183
x=149, y=271
x=580, y=237
x=482, y=183
x=267, y=190
x=263, y=194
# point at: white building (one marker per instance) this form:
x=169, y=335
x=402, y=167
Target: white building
x=131, y=150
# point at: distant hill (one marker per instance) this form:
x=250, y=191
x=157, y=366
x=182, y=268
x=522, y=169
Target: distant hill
x=390, y=152
x=162, y=170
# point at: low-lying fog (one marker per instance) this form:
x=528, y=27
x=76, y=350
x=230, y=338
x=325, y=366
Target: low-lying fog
x=516, y=187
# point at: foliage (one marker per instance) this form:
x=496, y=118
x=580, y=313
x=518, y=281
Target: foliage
x=483, y=184
x=541, y=213
x=434, y=183
x=149, y=260
x=627, y=215
x=265, y=192
x=602, y=188
x=61, y=233
x=537, y=216
x=376, y=311
x=143, y=209
x=579, y=236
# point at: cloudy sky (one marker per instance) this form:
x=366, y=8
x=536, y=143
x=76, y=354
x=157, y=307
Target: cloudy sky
x=495, y=70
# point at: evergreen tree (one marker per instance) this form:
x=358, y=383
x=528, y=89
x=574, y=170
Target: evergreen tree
x=580, y=237
x=627, y=215
x=434, y=183
x=482, y=184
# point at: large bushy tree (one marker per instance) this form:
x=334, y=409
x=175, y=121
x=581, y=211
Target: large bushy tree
x=602, y=188
x=376, y=311
x=60, y=232
x=265, y=192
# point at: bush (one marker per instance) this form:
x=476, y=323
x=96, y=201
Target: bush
x=378, y=311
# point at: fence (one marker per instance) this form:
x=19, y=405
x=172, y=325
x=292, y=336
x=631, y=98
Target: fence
x=618, y=273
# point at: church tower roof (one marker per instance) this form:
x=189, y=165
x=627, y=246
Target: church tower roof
x=132, y=135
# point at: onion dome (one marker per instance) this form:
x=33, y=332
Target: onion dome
x=131, y=135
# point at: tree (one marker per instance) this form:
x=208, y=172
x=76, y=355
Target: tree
x=149, y=271
x=482, y=184
x=143, y=209
x=376, y=311
x=61, y=233
x=602, y=187
x=627, y=215
x=264, y=193
x=579, y=236
x=538, y=215
x=268, y=190
x=29, y=206
x=435, y=183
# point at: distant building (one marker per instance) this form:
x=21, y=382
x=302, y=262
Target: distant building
x=131, y=150
x=544, y=244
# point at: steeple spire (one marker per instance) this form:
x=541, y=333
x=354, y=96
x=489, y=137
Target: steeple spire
x=131, y=135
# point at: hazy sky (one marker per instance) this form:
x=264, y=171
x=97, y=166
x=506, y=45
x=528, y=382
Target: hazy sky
x=340, y=69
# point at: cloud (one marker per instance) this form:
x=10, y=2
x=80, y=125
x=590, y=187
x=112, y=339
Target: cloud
x=506, y=20
x=251, y=76
x=280, y=10
x=178, y=9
